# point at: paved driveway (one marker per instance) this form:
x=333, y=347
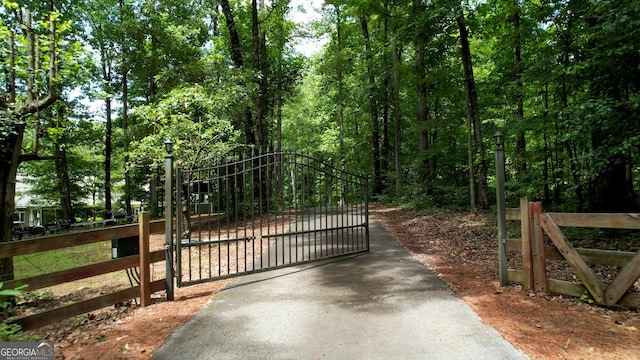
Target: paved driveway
x=379, y=305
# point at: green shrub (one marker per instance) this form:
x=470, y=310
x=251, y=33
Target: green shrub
x=10, y=332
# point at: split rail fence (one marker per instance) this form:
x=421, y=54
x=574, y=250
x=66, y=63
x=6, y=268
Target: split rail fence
x=535, y=253
x=143, y=260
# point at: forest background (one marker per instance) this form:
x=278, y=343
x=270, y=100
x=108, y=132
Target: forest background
x=409, y=92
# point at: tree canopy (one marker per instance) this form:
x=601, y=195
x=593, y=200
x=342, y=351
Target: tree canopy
x=410, y=92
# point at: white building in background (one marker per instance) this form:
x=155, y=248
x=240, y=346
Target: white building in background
x=33, y=211
x=30, y=210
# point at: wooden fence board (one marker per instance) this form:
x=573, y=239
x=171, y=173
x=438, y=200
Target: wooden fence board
x=514, y=245
x=156, y=256
x=583, y=271
x=156, y=226
x=53, y=242
x=631, y=300
x=513, y=214
x=515, y=275
x=590, y=256
x=46, y=243
x=567, y=288
x=577, y=290
x=623, y=281
x=596, y=220
x=594, y=256
x=64, y=312
x=83, y=272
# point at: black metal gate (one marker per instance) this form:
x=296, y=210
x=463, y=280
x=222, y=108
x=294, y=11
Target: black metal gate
x=260, y=212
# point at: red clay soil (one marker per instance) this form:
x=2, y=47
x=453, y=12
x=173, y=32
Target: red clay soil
x=460, y=247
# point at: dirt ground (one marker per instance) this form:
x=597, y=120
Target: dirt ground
x=460, y=247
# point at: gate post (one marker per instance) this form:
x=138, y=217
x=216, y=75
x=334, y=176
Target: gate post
x=168, y=216
x=502, y=211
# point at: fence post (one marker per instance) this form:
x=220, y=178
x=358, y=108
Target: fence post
x=525, y=221
x=168, y=216
x=537, y=249
x=502, y=210
x=145, y=276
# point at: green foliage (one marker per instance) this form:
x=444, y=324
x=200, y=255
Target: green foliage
x=580, y=94
x=7, y=295
x=585, y=298
x=190, y=118
x=8, y=330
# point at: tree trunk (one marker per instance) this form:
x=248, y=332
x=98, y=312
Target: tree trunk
x=521, y=149
x=397, y=115
x=107, y=161
x=340, y=86
x=421, y=103
x=260, y=67
x=125, y=118
x=373, y=110
x=64, y=183
x=9, y=160
x=474, y=110
x=125, y=128
x=386, y=92
x=238, y=61
x=153, y=193
x=11, y=145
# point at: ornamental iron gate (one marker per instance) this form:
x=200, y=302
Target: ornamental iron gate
x=266, y=211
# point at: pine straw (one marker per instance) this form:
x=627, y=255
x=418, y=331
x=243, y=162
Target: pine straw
x=462, y=249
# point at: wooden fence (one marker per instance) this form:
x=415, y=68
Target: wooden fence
x=535, y=225
x=143, y=230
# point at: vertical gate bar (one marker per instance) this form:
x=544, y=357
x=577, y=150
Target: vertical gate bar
x=327, y=200
x=289, y=205
x=235, y=213
x=253, y=217
x=168, y=225
x=199, y=218
x=328, y=210
x=273, y=197
x=185, y=210
x=366, y=209
x=178, y=196
x=343, y=204
x=350, y=231
x=209, y=216
x=244, y=208
x=219, y=214
x=303, y=206
x=282, y=211
x=268, y=168
x=224, y=230
x=314, y=193
x=294, y=200
x=323, y=207
x=358, y=221
x=260, y=210
x=227, y=214
x=329, y=204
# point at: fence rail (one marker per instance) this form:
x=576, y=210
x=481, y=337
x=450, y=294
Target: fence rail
x=143, y=260
x=535, y=225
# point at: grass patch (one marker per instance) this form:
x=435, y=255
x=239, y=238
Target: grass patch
x=62, y=259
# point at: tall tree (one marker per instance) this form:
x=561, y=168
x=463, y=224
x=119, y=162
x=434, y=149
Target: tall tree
x=473, y=110
x=15, y=114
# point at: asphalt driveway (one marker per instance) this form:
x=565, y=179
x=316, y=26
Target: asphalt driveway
x=379, y=305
